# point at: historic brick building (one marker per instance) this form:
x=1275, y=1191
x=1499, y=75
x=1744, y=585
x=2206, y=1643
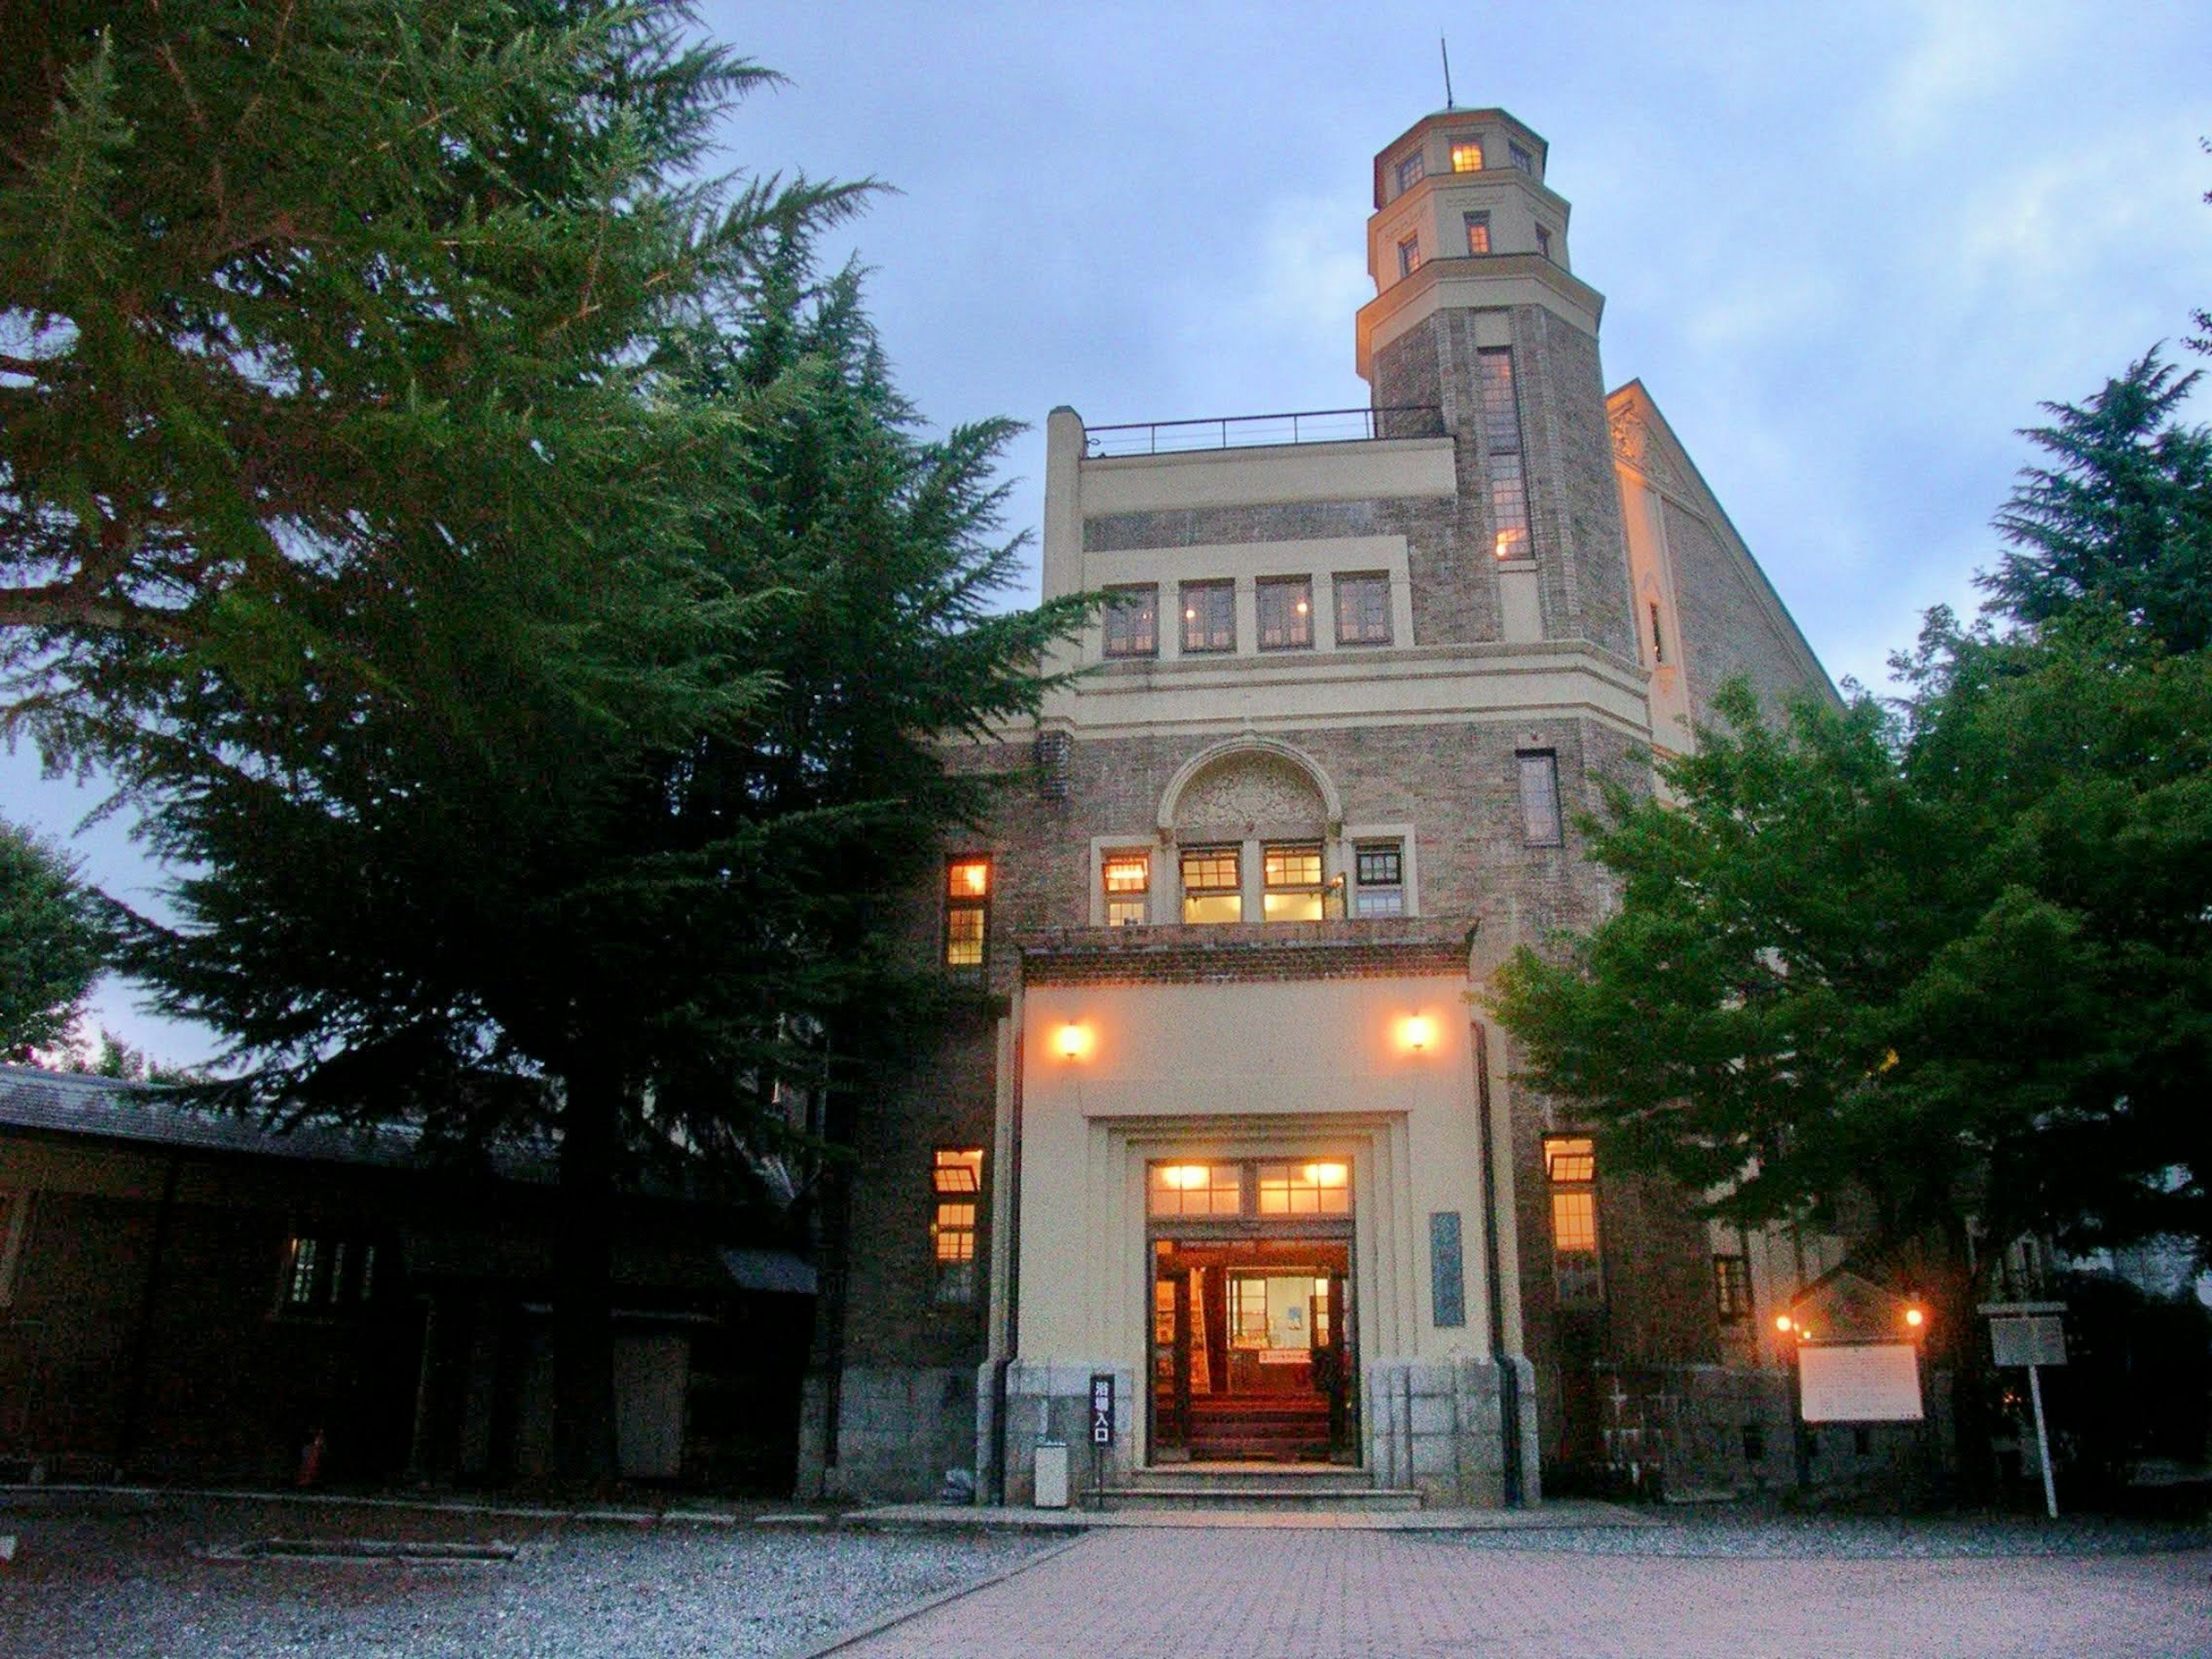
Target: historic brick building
x=1236, y=1130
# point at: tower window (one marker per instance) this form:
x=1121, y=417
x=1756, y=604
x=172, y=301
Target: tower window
x=1363, y=608
x=1571, y=1173
x=1543, y=241
x=1658, y=640
x=1285, y=608
x=1212, y=884
x=1522, y=160
x=1409, y=255
x=1501, y=438
x=1291, y=877
x=1478, y=232
x=1379, y=867
x=1466, y=154
x=955, y=1179
x=1127, y=878
x=967, y=911
x=1132, y=621
x=1539, y=797
x=1209, y=616
x=1412, y=170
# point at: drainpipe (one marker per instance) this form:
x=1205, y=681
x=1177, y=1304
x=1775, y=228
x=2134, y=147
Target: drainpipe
x=1509, y=1375
x=1013, y=1175
x=134, y=1398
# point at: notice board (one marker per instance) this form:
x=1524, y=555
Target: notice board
x=1859, y=1382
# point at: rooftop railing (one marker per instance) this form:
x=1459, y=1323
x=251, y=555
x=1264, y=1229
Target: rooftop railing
x=1312, y=426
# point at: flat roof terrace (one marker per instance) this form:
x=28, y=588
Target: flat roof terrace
x=1311, y=426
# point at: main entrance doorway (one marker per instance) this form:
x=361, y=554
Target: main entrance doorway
x=1253, y=1353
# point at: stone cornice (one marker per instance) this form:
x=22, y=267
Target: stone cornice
x=1375, y=948
x=1490, y=281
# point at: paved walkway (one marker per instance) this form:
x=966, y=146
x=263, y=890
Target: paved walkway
x=1145, y=1593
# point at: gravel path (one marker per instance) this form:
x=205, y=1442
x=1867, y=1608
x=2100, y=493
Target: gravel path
x=129, y=1579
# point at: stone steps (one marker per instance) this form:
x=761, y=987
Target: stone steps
x=1260, y=1486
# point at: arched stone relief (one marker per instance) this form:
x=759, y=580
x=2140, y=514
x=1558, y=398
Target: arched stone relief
x=1247, y=786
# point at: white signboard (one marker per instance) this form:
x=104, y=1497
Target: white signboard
x=1859, y=1382
x=2038, y=1340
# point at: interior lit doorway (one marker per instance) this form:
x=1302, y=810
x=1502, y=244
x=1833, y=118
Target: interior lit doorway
x=1254, y=1343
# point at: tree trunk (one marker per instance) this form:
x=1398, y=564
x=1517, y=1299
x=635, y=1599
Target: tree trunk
x=583, y=1288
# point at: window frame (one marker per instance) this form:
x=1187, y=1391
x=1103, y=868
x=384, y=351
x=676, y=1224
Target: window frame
x=1543, y=763
x=1117, y=596
x=1409, y=254
x=1267, y=587
x=1233, y=851
x=342, y=1275
x=1362, y=851
x=1317, y=889
x=1458, y=144
x=1342, y=583
x=1543, y=241
x=1409, y=170
x=975, y=902
x=1731, y=1302
x=956, y=1186
x=1578, y=1270
x=1206, y=589
x=1474, y=220
x=1140, y=897
x=1519, y=158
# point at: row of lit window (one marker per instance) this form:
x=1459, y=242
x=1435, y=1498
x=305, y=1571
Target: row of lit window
x=1323, y=1188
x=1294, y=885
x=1468, y=156
x=1476, y=228
x=956, y=1182
x=1284, y=605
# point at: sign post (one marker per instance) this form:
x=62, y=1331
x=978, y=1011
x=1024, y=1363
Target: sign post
x=2030, y=1333
x=1102, y=1431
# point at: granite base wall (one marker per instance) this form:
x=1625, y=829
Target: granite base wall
x=899, y=1431
x=1436, y=1426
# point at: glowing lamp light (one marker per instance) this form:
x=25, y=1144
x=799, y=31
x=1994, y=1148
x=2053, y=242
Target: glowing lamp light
x=1915, y=1318
x=1073, y=1041
x=1184, y=1176
x=1782, y=1323
x=1418, y=1032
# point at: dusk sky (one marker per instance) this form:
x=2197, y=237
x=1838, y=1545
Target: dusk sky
x=1848, y=249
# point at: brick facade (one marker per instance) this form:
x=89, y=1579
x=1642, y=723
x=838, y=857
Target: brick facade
x=1431, y=739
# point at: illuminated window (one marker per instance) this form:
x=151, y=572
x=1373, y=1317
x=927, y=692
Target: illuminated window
x=1501, y=439
x=956, y=1178
x=1379, y=867
x=1539, y=797
x=1363, y=608
x=1290, y=877
x=1412, y=169
x=1321, y=1336
x=1521, y=159
x=1212, y=884
x=1571, y=1172
x=1732, y=1289
x=967, y=911
x=1478, y=232
x=1658, y=639
x=1209, y=616
x=1132, y=621
x=1196, y=1189
x=1543, y=241
x=1285, y=608
x=1305, y=1188
x=1466, y=154
x=327, y=1275
x=1128, y=878
x=1409, y=255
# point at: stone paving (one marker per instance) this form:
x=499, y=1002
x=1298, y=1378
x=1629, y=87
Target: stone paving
x=1135, y=1594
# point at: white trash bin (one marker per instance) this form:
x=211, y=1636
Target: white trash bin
x=1052, y=1474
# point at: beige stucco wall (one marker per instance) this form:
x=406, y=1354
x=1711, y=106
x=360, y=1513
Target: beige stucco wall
x=1180, y=1071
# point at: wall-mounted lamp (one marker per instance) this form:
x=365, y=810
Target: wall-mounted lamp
x=1782, y=1323
x=1417, y=1033
x=1915, y=1318
x=1073, y=1041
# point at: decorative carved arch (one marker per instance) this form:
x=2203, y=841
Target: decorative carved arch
x=1231, y=748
